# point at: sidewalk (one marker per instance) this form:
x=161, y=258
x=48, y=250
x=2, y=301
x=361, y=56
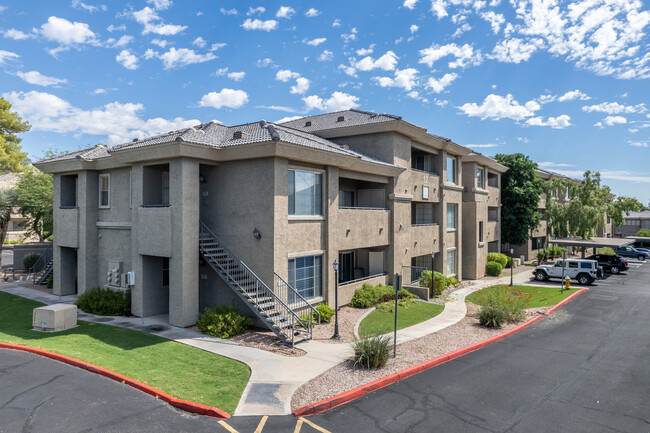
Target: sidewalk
x=274, y=378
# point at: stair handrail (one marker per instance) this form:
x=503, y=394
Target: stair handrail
x=292, y=314
x=300, y=302
x=41, y=262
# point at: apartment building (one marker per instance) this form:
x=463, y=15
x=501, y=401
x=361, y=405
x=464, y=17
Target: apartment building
x=16, y=228
x=256, y=214
x=632, y=223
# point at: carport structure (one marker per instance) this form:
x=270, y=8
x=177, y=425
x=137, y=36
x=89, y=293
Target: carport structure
x=642, y=239
x=592, y=243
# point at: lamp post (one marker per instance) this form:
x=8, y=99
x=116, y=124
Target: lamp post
x=336, y=335
x=433, y=256
x=512, y=264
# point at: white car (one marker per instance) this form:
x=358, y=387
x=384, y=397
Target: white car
x=584, y=271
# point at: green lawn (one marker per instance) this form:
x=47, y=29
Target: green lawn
x=541, y=296
x=182, y=371
x=381, y=322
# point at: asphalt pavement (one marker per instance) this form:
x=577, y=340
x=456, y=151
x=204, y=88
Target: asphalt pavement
x=582, y=369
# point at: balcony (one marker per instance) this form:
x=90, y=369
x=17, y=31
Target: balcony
x=66, y=226
x=155, y=231
x=424, y=239
x=362, y=228
x=415, y=180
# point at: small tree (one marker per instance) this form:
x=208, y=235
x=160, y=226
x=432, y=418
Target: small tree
x=7, y=203
x=643, y=232
x=12, y=158
x=34, y=199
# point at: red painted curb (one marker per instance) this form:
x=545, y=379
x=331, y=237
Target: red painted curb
x=187, y=406
x=362, y=390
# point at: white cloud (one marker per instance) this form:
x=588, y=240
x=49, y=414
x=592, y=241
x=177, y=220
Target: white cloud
x=496, y=20
x=465, y=55
x=337, y=102
x=236, y=76
x=352, y=36
x=481, y=146
x=326, y=56
x=127, y=59
x=301, y=87
x=387, y=62
x=499, y=107
x=68, y=33
x=285, y=75
x=285, y=12
x=121, y=42
x=177, y=58
x=336, y=23
x=35, y=77
x=113, y=28
x=256, y=24
x=315, y=42
x=217, y=46
x=232, y=11
x=614, y=108
x=228, y=98
x=611, y=121
x=559, y=122
x=277, y=108
x=154, y=24
x=515, y=50
x=119, y=122
x=409, y=4
x=414, y=28
x=161, y=43
x=638, y=143
x=258, y=10
x=263, y=63
x=439, y=7
x=573, y=94
x=78, y=4
x=439, y=85
x=199, y=42
x=366, y=51
x=404, y=78
x=160, y=4
x=288, y=119
x=16, y=35
x=416, y=95
x=312, y=13
x=460, y=30
x=2, y=9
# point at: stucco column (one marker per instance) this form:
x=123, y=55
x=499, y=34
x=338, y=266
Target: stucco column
x=184, y=264
x=87, y=201
x=137, y=295
x=331, y=214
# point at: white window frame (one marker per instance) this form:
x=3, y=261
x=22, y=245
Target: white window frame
x=455, y=226
x=455, y=164
x=455, y=254
x=108, y=195
x=482, y=171
x=323, y=194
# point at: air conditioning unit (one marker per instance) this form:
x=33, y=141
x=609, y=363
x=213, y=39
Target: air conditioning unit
x=130, y=279
x=55, y=317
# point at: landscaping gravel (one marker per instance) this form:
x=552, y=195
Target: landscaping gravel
x=348, y=317
x=345, y=376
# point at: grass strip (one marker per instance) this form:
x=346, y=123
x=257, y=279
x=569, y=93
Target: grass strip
x=541, y=296
x=381, y=322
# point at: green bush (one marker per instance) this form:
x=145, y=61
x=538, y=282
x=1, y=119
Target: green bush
x=451, y=281
x=105, y=302
x=509, y=262
x=554, y=251
x=50, y=281
x=499, y=258
x=439, y=281
x=540, y=256
x=326, y=312
x=511, y=301
x=368, y=295
x=389, y=306
x=30, y=260
x=493, y=268
x=643, y=232
x=223, y=322
x=371, y=352
x=605, y=250
x=491, y=317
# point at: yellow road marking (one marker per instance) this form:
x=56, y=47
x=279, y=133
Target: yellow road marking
x=298, y=425
x=227, y=427
x=262, y=423
x=305, y=420
x=260, y=426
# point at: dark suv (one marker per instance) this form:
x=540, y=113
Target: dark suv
x=610, y=263
x=631, y=252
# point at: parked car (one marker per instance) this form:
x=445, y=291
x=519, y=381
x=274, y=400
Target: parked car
x=582, y=270
x=610, y=262
x=645, y=250
x=632, y=252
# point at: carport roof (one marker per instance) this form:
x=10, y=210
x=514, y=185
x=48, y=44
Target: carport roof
x=593, y=242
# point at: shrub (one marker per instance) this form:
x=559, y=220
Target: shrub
x=30, y=260
x=50, y=281
x=223, y=322
x=105, y=302
x=493, y=268
x=643, y=232
x=499, y=258
x=371, y=352
x=326, y=312
x=451, y=281
x=541, y=256
x=491, y=317
x=368, y=295
x=389, y=306
x=509, y=262
x=605, y=250
x=506, y=299
x=439, y=281
x=554, y=251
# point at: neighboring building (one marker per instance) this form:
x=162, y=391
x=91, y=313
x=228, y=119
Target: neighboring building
x=16, y=228
x=371, y=191
x=632, y=223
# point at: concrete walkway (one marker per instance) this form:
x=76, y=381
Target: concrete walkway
x=274, y=378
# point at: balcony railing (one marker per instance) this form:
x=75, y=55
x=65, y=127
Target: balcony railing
x=363, y=208
x=362, y=278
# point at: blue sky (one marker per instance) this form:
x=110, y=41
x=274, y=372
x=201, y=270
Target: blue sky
x=563, y=82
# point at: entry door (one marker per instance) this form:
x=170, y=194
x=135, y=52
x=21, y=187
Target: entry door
x=346, y=266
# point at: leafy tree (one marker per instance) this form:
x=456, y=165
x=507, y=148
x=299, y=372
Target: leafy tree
x=621, y=205
x=520, y=190
x=7, y=203
x=34, y=199
x=12, y=158
x=643, y=232
x=556, y=212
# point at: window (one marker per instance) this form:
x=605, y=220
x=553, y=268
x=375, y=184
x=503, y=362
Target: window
x=451, y=216
x=422, y=213
x=573, y=265
x=538, y=243
x=165, y=271
x=104, y=190
x=451, y=262
x=451, y=169
x=305, y=193
x=480, y=231
x=493, y=214
x=584, y=265
x=346, y=198
x=493, y=180
x=480, y=179
x=305, y=276
x=423, y=162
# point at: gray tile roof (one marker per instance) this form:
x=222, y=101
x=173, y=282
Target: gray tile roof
x=320, y=122
x=638, y=215
x=221, y=136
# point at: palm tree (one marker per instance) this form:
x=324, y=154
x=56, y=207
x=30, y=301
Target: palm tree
x=7, y=203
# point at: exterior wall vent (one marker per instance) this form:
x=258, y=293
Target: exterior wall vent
x=308, y=123
x=237, y=135
x=340, y=119
x=134, y=140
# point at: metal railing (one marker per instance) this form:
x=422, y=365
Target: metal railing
x=412, y=275
x=268, y=305
x=46, y=256
x=363, y=208
x=356, y=280
x=308, y=313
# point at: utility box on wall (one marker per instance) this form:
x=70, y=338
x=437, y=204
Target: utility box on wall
x=114, y=274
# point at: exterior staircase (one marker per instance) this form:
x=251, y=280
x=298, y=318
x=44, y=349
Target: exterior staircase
x=41, y=276
x=43, y=266
x=283, y=310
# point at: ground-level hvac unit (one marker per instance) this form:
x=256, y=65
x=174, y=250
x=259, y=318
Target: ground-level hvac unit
x=56, y=317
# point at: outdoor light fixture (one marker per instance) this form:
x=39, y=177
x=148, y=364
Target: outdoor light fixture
x=256, y=234
x=336, y=335
x=512, y=264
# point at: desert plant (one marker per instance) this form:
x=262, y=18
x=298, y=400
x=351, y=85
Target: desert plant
x=30, y=260
x=50, y=281
x=389, y=306
x=511, y=301
x=437, y=282
x=491, y=317
x=371, y=352
x=105, y=302
x=223, y=321
x=493, y=268
x=326, y=312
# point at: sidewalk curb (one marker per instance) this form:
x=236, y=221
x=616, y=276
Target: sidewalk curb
x=362, y=390
x=185, y=405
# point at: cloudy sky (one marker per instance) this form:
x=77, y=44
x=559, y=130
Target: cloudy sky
x=566, y=83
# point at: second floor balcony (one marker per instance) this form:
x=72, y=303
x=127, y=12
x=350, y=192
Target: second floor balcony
x=362, y=227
